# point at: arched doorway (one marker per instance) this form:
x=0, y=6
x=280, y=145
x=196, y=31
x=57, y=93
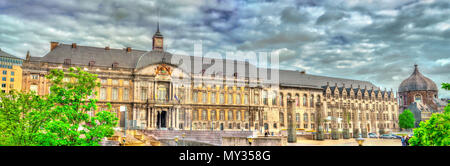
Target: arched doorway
x=161, y=119
x=221, y=126
x=266, y=126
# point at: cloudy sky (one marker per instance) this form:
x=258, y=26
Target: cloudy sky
x=374, y=40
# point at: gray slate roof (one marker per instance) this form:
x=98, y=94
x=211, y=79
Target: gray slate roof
x=417, y=81
x=136, y=59
x=5, y=54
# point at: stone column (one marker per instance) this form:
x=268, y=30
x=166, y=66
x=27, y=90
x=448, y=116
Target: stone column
x=292, y=132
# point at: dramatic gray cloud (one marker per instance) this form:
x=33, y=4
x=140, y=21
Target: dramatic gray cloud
x=374, y=40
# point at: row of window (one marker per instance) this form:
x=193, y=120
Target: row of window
x=231, y=115
x=10, y=86
x=115, y=94
x=5, y=66
x=11, y=79
x=213, y=99
x=3, y=59
x=114, y=82
x=6, y=72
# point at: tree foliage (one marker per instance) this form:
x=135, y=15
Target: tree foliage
x=406, y=119
x=58, y=119
x=436, y=130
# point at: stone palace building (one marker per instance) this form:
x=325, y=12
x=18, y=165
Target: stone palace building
x=162, y=92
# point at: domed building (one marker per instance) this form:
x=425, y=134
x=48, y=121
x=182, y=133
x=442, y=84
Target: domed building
x=419, y=94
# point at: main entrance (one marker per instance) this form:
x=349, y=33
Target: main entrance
x=161, y=119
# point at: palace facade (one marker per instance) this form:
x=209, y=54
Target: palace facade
x=165, y=91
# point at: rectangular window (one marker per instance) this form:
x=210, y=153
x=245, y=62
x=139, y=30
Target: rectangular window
x=125, y=94
x=4, y=72
x=222, y=98
x=213, y=98
x=115, y=94
x=126, y=83
x=195, y=97
x=3, y=85
x=143, y=94
x=238, y=98
x=256, y=100
x=3, y=78
x=11, y=86
x=246, y=99
x=12, y=73
x=102, y=93
x=204, y=94
x=104, y=81
x=115, y=82
x=12, y=80
x=230, y=99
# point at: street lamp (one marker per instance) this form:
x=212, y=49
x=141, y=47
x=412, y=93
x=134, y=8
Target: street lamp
x=250, y=140
x=360, y=140
x=183, y=135
x=176, y=140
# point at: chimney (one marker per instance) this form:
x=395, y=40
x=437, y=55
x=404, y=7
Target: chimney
x=128, y=49
x=53, y=45
x=303, y=72
x=74, y=45
x=107, y=48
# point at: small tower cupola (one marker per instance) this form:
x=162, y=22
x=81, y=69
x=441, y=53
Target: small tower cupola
x=158, y=40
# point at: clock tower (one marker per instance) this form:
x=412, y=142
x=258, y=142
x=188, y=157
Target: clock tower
x=158, y=40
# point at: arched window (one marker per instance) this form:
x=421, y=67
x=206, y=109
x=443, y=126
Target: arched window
x=238, y=115
x=418, y=98
x=312, y=101
x=305, y=117
x=230, y=98
x=281, y=99
x=274, y=98
x=246, y=115
x=265, y=98
x=305, y=100
x=297, y=100
x=281, y=118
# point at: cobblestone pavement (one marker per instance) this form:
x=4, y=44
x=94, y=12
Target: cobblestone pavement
x=348, y=142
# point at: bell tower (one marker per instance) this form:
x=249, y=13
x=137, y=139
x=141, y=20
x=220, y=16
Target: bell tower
x=158, y=40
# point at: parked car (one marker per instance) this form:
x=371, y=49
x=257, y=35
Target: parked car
x=396, y=136
x=373, y=135
x=387, y=136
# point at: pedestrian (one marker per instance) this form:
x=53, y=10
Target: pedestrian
x=403, y=141
x=406, y=140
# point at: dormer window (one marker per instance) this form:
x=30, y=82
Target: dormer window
x=67, y=61
x=115, y=65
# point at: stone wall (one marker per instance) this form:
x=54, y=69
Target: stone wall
x=260, y=141
x=205, y=136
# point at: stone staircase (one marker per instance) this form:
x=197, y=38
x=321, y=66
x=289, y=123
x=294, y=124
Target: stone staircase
x=205, y=136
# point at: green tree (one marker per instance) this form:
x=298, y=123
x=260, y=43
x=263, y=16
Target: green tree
x=58, y=119
x=436, y=130
x=406, y=119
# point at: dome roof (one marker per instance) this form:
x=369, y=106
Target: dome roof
x=416, y=82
